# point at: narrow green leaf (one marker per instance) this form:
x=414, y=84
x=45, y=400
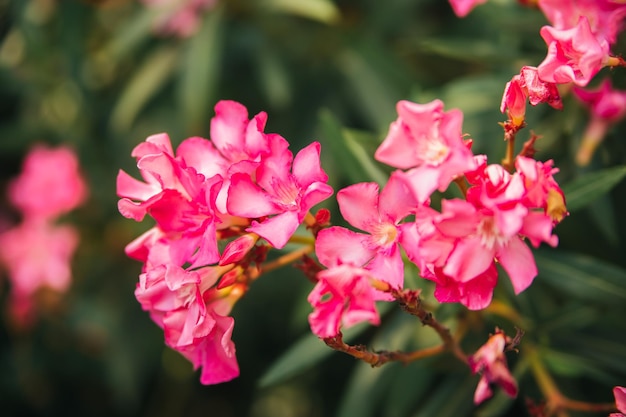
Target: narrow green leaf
x=583, y=276
x=144, y=84
x=308, y=351
x=321, y=10
x=570, y=365
x=132, y=34
x=355, y=162
x=586, y=188
x=200, y=72
x=450, y=398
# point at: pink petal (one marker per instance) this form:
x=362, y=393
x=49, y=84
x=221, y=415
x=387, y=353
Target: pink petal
x=246, y=199
x=358, y=204
x=338, y=245
x=278, y=229
x=306, y=166
x=468, y=259
x=518, y=261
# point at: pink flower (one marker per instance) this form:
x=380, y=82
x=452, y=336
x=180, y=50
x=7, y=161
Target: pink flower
x=379, y=215
x=574, y=55
x=620, y=401
x=181, y=200
x=490, y=361
x=475, y=294
x=284, y=191
x=540, y=188
x=38, y=254
x=607, y=107
x=527, y=85
x=605, y=17
x=462, y=7
x=180, y=18
x=344, y=296
x=428, y=140
x=49, y=185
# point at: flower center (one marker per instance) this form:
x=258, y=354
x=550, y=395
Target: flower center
x=285, y=192
x=432, y=150
x=384, y=235
x=490, y=235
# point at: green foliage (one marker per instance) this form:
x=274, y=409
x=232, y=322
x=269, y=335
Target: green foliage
x=96, y=76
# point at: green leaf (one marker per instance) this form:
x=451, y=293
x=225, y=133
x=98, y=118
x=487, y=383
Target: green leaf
x=356, y=163
x=583, y=276
x=451, y=397
x=308, y=351
x=321, y=10
x=145, y=83
x=132, y=34
x=586, y=188
x=570, y=365
x=200, y=72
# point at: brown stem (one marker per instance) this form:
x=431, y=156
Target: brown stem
x=286, y=259
x=376, y=359
x=411, y=303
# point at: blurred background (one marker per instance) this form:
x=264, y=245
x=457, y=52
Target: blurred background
x=101, y=75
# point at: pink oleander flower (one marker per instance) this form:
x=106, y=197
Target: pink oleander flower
x=281, y=192
x=620, y=401
x=343, y=296
x=462, y=7
x=574, y=55
x=540, y=188
x=527, y=85
x=490, y=362
x=181, y=200
x=37, y=254
x=49, y=185
x=428, y=142
x=607, y=107
x=605, y=17
x=179, y=17
x=379, y=216
x=457, y=247
x=194, y=321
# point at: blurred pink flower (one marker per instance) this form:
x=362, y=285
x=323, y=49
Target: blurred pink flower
x=605, y=16
x=574, y=54
x=490, y=362
x=607, y=107
x=49, y=185
x=462, y=7
x=38, y=254
x=180, y=18
x=620, y=401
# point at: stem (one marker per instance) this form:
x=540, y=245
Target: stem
x=286, y=259
x=411, y=303
x=309, y=219
x=460, y=182
x=376, y=359
x=306, y=240
x=509, y=160
x=556, y=402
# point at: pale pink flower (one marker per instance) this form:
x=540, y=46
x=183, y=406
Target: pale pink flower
x=427, y=141
x=574, y=55
x=605, y=17
x=620, y=401
x=49, y=185
x=527, y=85
x=490, y=362
x=38, y=254
x=284, y=190
x=179, y=17
x=607, y=107
x=462, y=7
x=343, y=296
x=379, y=216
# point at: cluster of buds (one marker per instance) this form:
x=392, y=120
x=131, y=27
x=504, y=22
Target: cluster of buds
x=37, y=251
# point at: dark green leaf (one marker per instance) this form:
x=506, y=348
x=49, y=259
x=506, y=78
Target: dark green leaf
x=583, y=276
x=586, y=188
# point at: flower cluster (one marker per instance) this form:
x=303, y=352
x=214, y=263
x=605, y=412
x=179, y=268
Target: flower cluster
x=241, y=185
x=458, y=247
x=179, y=18
x=37, y=251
